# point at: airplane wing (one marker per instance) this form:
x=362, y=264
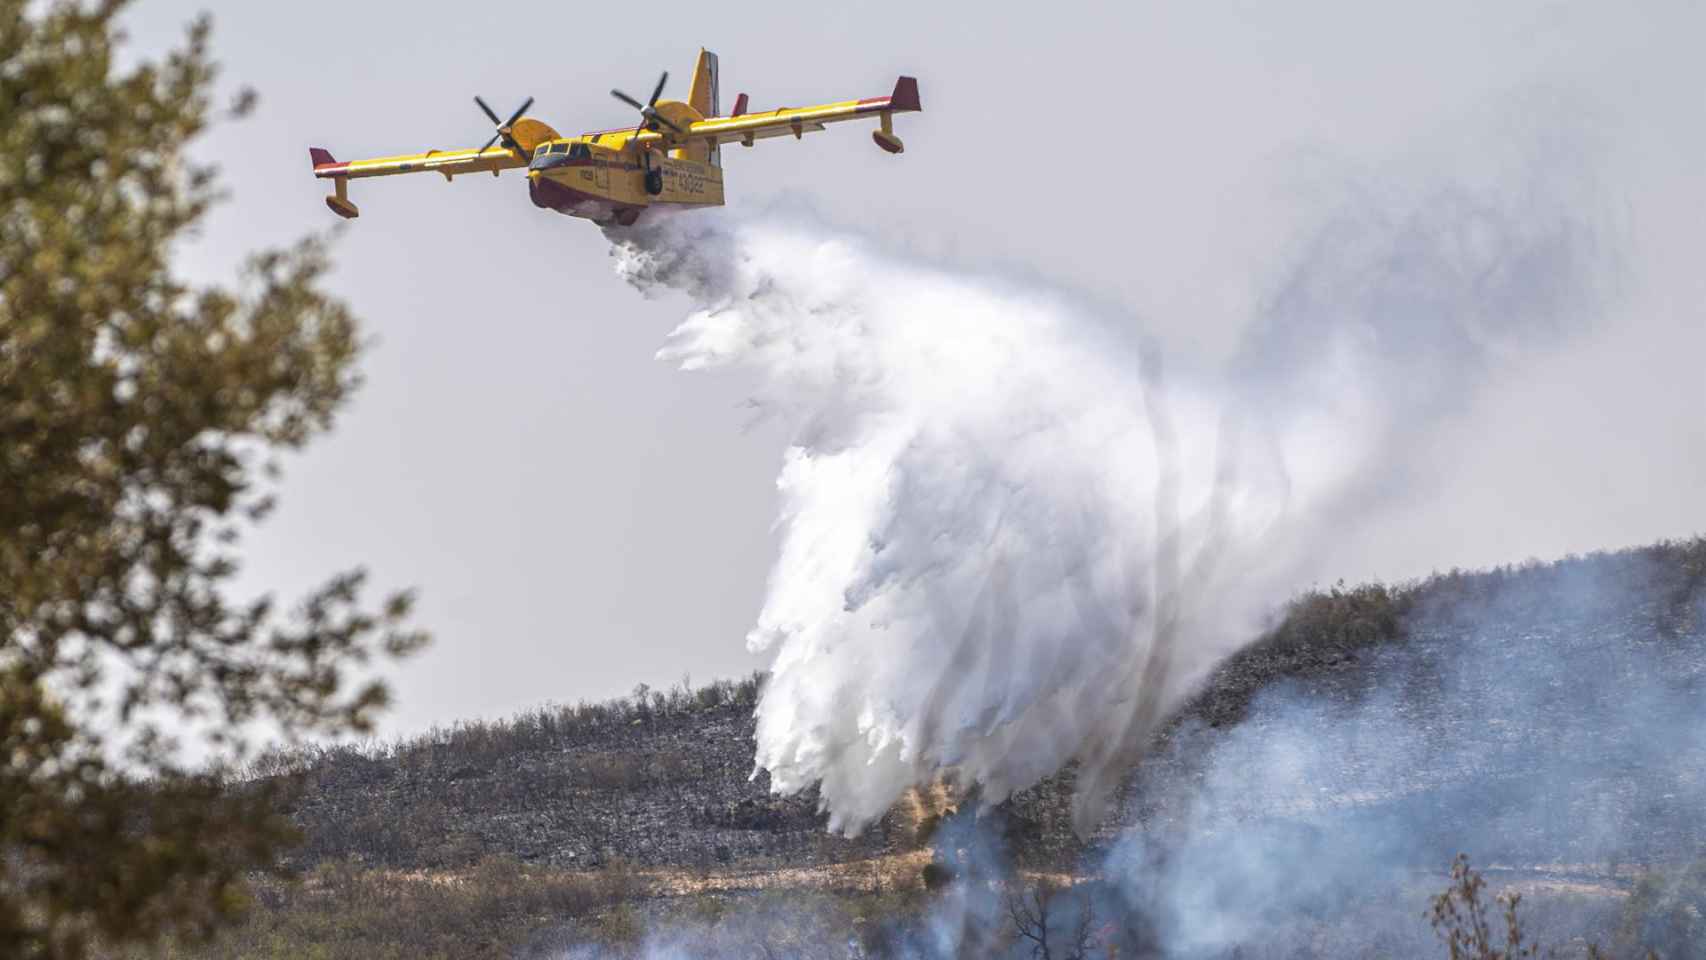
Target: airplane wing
x=797, y=121
x=447, y=162
x=525, y=133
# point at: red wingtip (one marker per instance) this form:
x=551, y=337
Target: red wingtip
x=321, y=156
x=740, y=106
x=905, y=96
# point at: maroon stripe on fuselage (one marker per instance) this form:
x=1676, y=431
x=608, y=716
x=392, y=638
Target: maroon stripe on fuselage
x=332, y=169
x=548, y=194
x=552, y=195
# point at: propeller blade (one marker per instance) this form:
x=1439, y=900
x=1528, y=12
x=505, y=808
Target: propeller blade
x=518, y=112
x=648, y=111
x=489, y=143
x=488, y=110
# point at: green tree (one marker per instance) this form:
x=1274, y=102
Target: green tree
x=140, y=423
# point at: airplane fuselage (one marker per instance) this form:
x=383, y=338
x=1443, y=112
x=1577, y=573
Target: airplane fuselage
x=583, y=178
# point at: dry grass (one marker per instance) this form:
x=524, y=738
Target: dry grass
x=343, y=910
x=898, y=871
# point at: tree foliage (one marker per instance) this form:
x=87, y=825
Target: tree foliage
x=140, y=421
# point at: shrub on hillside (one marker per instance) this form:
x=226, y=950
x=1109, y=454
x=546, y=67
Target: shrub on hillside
x=1666, y=912
x=1461, y=917
x=1048, y=920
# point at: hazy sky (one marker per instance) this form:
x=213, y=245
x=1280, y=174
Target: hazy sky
x=579, y=517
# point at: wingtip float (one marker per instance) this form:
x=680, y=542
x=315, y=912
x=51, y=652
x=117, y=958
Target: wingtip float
x=672, y=156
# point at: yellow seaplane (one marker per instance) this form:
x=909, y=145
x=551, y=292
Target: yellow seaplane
x=672, y=156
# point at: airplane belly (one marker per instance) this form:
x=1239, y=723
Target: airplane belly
x=575, y=196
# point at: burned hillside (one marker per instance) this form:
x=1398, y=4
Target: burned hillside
x=664, y=778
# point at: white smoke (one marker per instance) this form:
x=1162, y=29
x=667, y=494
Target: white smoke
x=1542, y=718
x=1008, y=540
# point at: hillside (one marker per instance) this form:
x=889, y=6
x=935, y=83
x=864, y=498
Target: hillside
x=1540, y=716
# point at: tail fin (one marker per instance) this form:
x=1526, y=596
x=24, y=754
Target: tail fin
x=703, y=96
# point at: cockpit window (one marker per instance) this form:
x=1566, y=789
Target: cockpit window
x=579, y=151
x=541, y=150
x=559, y=148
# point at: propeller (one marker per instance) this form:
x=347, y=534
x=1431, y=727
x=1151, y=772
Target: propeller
x=649, y=115
x=504, y=125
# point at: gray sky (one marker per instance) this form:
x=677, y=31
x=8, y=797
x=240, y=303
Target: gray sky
x=579, y=517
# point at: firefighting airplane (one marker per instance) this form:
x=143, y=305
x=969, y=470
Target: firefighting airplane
x=672, y=156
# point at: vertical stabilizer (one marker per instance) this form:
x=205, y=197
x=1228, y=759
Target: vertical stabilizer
x=703, y=97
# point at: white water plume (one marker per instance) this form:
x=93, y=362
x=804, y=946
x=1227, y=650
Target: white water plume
x=1008, y=541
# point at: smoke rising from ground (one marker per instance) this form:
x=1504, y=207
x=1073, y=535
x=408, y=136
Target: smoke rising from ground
x=1012, y=536
x=1548, y=720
